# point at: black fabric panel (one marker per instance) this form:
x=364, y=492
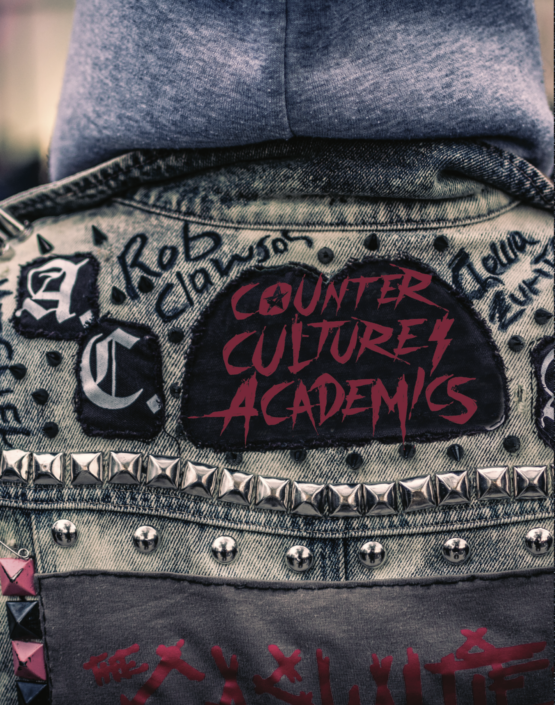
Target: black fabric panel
x=427, y=371
x=168, y=639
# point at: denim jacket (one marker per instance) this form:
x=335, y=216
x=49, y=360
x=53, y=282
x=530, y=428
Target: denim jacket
x=277, y=425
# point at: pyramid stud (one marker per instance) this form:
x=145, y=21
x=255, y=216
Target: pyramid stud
x=32, y=693
x=531, y=482
x=272, y=493
x=199, y=480
x=17, y=576
x=308, y=499
x=236, y=487
x=493, y=483
x=163, y=471
x=24, y=621
x=28, y=660
x=125, y=468
x=15, y=465
x=86, y=468
x=453, y=488
x=44, y=246
x=417, y=493
x=48, y=469
x=345, y=500
x=380, y=500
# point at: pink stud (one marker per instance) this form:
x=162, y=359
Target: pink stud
x=16, y=576
x=28, y=660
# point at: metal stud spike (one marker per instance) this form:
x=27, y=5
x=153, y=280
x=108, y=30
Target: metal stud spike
x=64, y=533
x=32, y=693
x=372, y=554
x=48, y=469
x=44, y=246
x=86, y=468
x=224, y=549
x=199, y=480
x=417, y=493
x=272, y=493
x=24, y=620
x=381, y=499
x=15, y=465
x=345, y=500
x=531, y=482
x=493, y=483
x=163, y=471
x=299, y=559
x=539, y=541
x=236, y=487
x=308, y=499
x=146, y=539
x=125, y=468
x=453, y=488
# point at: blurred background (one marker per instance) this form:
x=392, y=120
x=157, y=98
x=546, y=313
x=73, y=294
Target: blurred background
x=34, y=38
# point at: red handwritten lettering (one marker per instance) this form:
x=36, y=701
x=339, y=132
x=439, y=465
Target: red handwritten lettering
x=286, y=668
x=399, y=400
x=232, y=694
x=380, y=674
x=237, y=296
x=325, y=685
x=278, y=354
x=321, y=384
x=468, y=403
x=116, y=666
x=485, y=655
x=170, y=660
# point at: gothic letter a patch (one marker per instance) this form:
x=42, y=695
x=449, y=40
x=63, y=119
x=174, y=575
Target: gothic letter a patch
x=57, y=297
x=120, y=391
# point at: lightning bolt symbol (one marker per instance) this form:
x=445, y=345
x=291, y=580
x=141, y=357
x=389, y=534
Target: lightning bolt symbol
x=439, y=336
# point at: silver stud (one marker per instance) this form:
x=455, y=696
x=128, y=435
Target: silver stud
x=224, y=549
x=531, y=482
x=48, y=469
x=235, y=487
x=145, y=539
x=299, y=559
x=539, y=541
x=272, y=493
x=86, y=468
x=380, y=500
x=64, y=533
x=456, y=550
x=417, y=493
x=162, y=471
x=15, y=465
x=372, y=554
x=308, y=499
x=493, y=483
x=345, y=500
x=125, y=468
x=453, y=488
x=199, y=480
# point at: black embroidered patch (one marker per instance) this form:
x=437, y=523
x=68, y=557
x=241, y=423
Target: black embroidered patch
x=57, y=297
x=120, y=390
x=385, y=350
x=544, y=367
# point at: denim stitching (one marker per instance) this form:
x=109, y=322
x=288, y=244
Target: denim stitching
x=317, y=534
x=293, y=586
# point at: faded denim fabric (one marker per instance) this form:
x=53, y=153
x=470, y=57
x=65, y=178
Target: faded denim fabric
x=270, y=206
x=197, y=74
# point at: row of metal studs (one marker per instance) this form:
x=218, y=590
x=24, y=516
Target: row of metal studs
x=278, y=494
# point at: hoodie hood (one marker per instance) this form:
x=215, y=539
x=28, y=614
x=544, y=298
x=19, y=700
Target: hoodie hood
x=218, y=73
